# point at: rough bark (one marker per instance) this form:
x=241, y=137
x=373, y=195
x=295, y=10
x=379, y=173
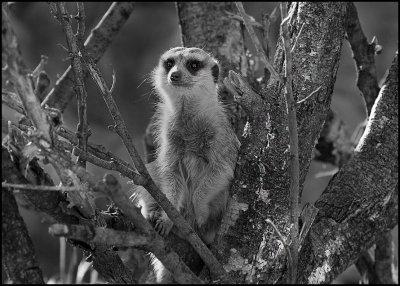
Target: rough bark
x=364, y=57
x=249, y=250
x=18, y=254
x=361, y=200
x=384, y=258
x=52, y=204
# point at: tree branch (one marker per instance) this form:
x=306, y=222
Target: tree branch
x=100, y=235
x=96, y=44
x=74, y=51
x=18, y=73
x=357, y=198
x=384, y=258
x=41, y=188
x=365, y=266
x=293, y=144
x=364, y=56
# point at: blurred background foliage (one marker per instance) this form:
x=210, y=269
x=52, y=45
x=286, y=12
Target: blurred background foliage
x=151, y=29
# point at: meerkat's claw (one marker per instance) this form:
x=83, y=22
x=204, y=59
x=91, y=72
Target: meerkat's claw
x=163, y=225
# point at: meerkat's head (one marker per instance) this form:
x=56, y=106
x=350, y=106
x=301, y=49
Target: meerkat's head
x=185, y=72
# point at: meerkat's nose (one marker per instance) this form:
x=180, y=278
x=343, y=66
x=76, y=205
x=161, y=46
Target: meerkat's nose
x=176, y=76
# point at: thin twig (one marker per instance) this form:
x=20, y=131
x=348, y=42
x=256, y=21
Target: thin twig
x=309, y=96
x=100, y=235
x=96, y=154
x=265, y=35
x=42, y=188
x=282, y=239
x=297, y=37
x=256, y=43
x=96, y=44
x=253, y=22
x=77, y=66
x=42, y=85
x=12, y=101
x=18, y=72
x=40, y=66
x=80, y=18
x=365, y=266
x=307, y=216
x=293, y=145
x=109, y=165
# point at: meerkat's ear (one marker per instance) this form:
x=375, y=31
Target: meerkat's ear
x=215, y=72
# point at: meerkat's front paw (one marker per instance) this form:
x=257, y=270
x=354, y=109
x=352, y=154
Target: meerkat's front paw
x=163, y=225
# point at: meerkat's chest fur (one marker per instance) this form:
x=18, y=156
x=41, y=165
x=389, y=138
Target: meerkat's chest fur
x=189, y=138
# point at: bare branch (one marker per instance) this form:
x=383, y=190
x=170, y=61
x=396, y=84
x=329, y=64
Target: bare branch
x=285, y=244
x=365, y=266
x=42, y=85
x=252, y=21
x=41, y=187
x=100, y=235
x=77, y=66
x=40, y=66
x=307, y=216
x=364, y=56
x=22, y=84
x=80, y=18
x=293, y=146
x=11, y=100
x=384, y=259
x=110, y=165
x=243, y=94
x=96, y=44
x=309, y=96
x=297, y=37
x=357, y=197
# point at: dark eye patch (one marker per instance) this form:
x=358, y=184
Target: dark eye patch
x=168, y=64
x=193, y=66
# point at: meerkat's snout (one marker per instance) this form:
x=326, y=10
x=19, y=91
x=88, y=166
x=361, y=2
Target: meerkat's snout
x=175, y=77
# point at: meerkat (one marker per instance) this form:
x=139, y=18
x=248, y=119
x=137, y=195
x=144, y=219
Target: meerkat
x=196, y=146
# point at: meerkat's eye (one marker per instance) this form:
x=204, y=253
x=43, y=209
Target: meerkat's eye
x=194, y=65
x=168, y=64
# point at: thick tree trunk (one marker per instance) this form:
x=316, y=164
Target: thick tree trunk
x=361, y=201
x=249, y=250
x=18, y=254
